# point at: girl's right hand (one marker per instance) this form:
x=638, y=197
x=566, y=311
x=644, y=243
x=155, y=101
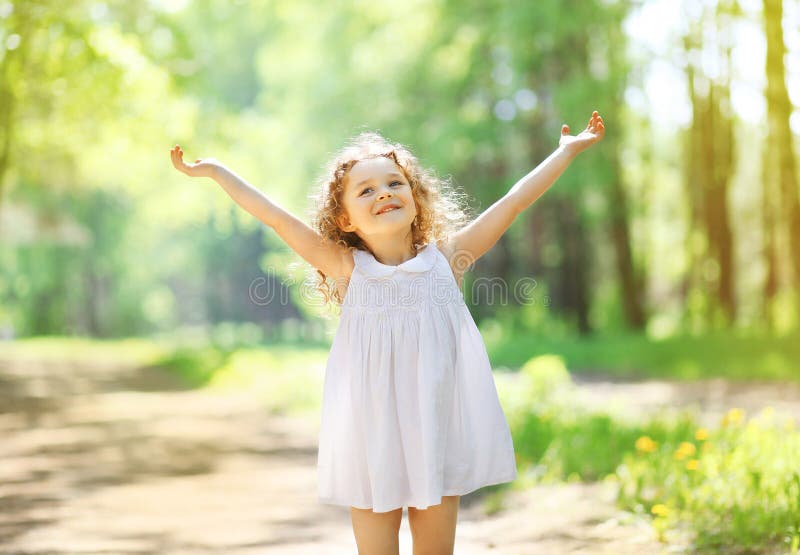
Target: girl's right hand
x=202, y=167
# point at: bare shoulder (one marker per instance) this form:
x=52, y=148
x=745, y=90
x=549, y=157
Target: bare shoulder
x=448, y=249
x=445, y=247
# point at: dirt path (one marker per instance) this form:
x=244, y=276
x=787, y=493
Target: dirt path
x=115, y=459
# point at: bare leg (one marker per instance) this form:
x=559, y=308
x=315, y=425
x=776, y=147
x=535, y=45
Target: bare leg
x=434, y=529
x=376, y=533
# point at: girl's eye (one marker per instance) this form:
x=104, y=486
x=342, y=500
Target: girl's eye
x=392, y=183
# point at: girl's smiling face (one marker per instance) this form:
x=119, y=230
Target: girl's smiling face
x=377, y=199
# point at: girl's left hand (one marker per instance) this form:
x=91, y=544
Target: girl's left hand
x=594, y=131
x=205, y=167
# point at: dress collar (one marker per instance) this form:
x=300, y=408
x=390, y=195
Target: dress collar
x=422, y=262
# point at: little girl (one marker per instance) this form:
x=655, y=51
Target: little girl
x=410, y=412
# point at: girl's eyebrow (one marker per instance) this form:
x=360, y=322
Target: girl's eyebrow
x=393, y=174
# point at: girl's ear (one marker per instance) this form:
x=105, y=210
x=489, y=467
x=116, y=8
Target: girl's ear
x=344, y=222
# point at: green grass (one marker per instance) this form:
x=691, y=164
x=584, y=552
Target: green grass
x=196, y=367
x=735, y=356
x=54, y=348
x=556, y=439
x=729, y=355
x=287, y=378
x=734, y=489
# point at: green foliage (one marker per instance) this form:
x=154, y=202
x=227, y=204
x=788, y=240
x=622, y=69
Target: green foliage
x=285, y=374
x=82, y=350
x=545, y=377
x=287, y=379
x=77, y=277
x=731, y=490
x=558, y=439
x=194, y=366
x=735, y=489
x=735, y=355
x=93, y=93
x=102, y=84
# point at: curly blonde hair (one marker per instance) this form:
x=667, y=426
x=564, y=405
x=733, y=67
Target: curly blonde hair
x=441, y=209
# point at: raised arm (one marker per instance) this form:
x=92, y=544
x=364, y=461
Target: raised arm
x=321, y=253
x=476, y=238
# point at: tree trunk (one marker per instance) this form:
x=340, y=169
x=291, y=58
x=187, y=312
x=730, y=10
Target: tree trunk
x=694, y=177
x=769, y=214
x=574, y=264
x=724, y=141
x=631, y=284
x=708, y=181
x=779, y=109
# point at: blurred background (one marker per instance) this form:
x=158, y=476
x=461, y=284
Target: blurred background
x=670, y=251
x=685, y=220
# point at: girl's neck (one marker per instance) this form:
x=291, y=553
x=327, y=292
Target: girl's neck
x=391, y=251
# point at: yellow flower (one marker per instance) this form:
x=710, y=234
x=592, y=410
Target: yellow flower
x=684, y=450
x=692, y=464
x=753, y=426
x=660, y=509
x=646, y=444
x=701, y=434
x=733, y=416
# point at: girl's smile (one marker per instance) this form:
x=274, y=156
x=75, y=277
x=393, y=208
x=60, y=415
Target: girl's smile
x=390, y=208
x=377, y=195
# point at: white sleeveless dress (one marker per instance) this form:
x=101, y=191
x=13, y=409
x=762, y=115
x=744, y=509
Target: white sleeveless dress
x=410, y=410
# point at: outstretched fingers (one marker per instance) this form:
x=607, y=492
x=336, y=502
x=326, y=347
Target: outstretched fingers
x=596, y=123
x=177, y=158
